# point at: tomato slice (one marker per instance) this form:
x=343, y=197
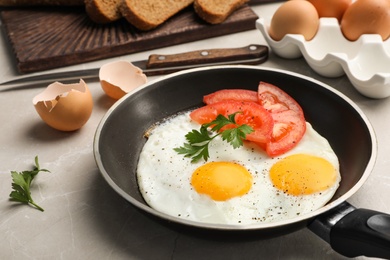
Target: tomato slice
x=230, y=94
x=251, y=114
x=289, y=120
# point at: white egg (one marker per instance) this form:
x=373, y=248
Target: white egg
x=164, y=178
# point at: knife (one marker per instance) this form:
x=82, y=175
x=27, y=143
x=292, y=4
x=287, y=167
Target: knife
x=158, y=64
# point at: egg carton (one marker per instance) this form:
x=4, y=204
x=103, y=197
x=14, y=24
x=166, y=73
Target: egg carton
x=366, y=61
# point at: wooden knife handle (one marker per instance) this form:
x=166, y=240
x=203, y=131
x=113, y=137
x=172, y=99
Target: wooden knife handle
x=252, y=54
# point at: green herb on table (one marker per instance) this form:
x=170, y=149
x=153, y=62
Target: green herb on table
x=22, y=183
x=198, y=141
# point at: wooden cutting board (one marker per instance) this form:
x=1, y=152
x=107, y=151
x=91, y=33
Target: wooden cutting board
x=49, y=37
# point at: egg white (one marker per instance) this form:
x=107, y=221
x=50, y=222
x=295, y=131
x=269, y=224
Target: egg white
x=164, y=178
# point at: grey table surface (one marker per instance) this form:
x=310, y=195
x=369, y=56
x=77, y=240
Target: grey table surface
x=85, y=219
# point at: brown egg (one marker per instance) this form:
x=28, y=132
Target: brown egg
x=120, y=77
x=366, y=17
x=331, y=8
x=294, y=17
x=65, y=107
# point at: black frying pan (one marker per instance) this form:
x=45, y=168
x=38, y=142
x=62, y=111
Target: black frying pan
x=351, y=232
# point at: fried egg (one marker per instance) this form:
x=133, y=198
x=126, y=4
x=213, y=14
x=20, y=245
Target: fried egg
x=235, y=186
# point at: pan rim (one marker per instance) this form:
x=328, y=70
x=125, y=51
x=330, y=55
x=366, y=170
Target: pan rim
x=369, y=167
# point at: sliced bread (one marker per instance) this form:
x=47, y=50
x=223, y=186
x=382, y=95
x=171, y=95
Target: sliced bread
x=216, y=11
x=103, y=11
x=148, y=14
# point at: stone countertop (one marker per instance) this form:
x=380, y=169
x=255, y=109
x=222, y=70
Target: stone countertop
x=85, y=219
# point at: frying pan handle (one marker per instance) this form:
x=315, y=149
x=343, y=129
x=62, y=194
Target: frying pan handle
x=362, y=232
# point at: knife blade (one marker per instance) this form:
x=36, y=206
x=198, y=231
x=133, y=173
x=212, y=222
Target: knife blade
x=159, y=64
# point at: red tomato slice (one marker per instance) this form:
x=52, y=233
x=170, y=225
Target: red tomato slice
x=230, y=94
x=251, y=114
x=289, y=121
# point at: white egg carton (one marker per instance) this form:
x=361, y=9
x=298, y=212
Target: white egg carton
x=366, y=62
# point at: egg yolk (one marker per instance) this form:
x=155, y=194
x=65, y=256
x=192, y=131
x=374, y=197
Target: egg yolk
x=302, y=174
x=221, y=180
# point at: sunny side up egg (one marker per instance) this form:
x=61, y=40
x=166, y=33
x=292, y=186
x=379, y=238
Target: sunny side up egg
x=235, y=186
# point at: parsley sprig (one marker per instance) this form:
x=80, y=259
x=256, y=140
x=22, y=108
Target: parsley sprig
x=22, y=183
x=198, y=141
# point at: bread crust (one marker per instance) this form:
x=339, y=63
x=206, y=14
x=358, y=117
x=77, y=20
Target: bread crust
x=103, y=11
x=41, y=2
x=216, y=11
x=143, y=14
x=148, y=14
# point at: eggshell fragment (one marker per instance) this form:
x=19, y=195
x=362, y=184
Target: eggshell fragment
x=294, y=17
x=120, y=77
x=65, y=107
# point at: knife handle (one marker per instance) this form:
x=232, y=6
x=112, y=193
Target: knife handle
x=252, y=54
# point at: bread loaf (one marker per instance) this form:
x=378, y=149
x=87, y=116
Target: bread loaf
x=148, y=14
x=41, y=2
x=143, y=14
x=103, y=11
x=216, y=11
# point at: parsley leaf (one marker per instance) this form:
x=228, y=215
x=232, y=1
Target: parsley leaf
x=197, y=146
x=198, y=141
x=22, y=183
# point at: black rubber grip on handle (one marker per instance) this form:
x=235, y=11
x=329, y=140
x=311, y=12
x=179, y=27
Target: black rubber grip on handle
x=362, y=232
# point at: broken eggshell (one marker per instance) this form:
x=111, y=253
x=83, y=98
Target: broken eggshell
x=120, y=77
x=65, y=107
